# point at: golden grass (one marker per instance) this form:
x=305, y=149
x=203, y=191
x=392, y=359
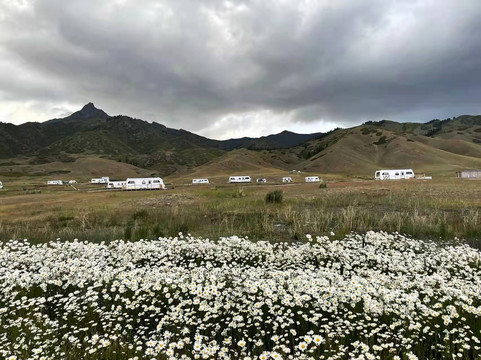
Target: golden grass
x=434, y=209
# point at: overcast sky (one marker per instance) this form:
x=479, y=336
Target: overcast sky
x=241, y=68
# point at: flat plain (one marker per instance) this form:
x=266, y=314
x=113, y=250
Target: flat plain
x=442, y=208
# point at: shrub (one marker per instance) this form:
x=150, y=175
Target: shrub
x=323, y=184
x=382, y=140
x=239, y=193
x=276, y=196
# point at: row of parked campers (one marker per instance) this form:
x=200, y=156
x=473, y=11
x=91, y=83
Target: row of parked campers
x=137, y=184
x=286, y=179
x=394, y=174
x=102, y=180
x=61, y=182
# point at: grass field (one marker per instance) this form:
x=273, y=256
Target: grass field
x=257, y=279
x=445, y=209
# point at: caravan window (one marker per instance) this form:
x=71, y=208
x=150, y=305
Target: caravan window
x=156, y=181
x=378, y=173
x=385, y=173
x=397, y=174
x=131, y=182
x=409, y=173
x=143, y=182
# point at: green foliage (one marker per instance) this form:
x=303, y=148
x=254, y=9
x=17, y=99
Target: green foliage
x=240, y=193
x=140, y=214
x=382, y=140
x=276, y=196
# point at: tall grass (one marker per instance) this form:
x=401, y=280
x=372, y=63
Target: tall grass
x=222, y=212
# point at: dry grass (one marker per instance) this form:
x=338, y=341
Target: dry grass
x=437, y=209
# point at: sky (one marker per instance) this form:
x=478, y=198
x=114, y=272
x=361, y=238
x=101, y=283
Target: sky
x=227, y=69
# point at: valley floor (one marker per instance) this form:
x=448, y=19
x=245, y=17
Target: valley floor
x=441, y=208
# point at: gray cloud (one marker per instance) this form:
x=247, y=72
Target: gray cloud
x=233, y=68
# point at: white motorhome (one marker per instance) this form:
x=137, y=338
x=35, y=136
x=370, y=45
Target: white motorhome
x=54, y=182
x=116, y=184
x=309, y=179
x=398, y=174
x=1, y=185
x=144, y=184
x=102, y=180
x=200, y=181
x=286, y=179
x=72, y=181
x=240, y=179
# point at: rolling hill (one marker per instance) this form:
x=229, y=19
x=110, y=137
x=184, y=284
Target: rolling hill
x=438, y=147
x=90, y=131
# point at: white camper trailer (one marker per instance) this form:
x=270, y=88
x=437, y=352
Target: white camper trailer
x=239, y=179
x=72, y=182
x=102, y=180
x=1, y=185
x=144, y=184
x=310, y=179
x=261, y=180
x=116, y=184
x=54, y=182
x=394, y=174
x=286, y=179
x=200, y=181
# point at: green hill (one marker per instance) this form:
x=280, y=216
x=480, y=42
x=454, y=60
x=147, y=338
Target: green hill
x=438, y=146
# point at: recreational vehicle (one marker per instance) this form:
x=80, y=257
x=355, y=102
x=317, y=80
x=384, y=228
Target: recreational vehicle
x=261, y=180
x=102, y=180
x=286, y=179
x=116, y=184
x=1, y=185
x=468, y=174
x=54, y=182
x=144, y=184
x=394, y=174
x=310, y=179
x=200, y=181
x=240, y=179
x=72, y=181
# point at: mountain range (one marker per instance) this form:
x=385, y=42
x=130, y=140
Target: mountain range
x=439, y=146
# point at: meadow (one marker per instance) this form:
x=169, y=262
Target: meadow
x=438, y=209
x=351, y=270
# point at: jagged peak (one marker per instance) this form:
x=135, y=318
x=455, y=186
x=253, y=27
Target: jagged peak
x=89, y=106
x=88, y=111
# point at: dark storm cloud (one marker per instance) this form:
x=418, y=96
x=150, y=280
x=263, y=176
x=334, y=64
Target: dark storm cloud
x=225, y=68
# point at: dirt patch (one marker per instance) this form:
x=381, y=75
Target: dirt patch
x=166, y=200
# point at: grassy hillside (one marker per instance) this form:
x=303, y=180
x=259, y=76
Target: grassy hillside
x=80, y=168
x=363, y=149
x=438, y=147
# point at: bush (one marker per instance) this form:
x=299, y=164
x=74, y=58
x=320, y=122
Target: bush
x=239, y=193
x=275, y=196
x=323, y=184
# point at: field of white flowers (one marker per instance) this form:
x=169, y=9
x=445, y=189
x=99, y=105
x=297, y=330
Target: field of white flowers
x=376, y=296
